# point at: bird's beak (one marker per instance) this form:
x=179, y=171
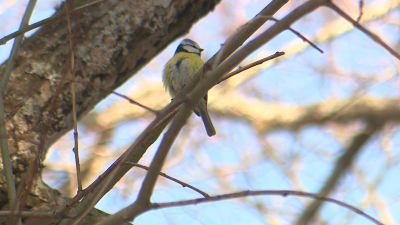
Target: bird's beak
x=201, y=49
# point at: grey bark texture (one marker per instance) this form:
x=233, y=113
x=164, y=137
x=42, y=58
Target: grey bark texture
x=113, y=40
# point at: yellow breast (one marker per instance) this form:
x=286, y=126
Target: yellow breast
x=179, y=70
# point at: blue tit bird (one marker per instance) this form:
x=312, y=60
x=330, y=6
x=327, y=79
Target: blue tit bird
x=180, y=70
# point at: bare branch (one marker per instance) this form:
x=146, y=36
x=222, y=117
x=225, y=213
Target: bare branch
x=142, y=203
x=174, y=180
x=283, y=193
x=5, y=152
x=73, y=101
x=342, y=165
x=360, y=6
x=55, y=17
x=256, y=63
x=370, y=34
x=117, y=94
x=301, y=37
x=244, y=32
x=91, y=200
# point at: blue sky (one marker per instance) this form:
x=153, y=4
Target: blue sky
x=237, y=160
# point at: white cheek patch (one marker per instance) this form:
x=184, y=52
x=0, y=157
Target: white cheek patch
x=191, y=49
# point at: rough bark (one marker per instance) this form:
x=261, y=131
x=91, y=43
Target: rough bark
x=114, y=39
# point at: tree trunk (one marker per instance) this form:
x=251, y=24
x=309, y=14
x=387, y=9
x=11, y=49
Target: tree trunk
x=112, y=40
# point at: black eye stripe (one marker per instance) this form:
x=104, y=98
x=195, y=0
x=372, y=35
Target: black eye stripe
x=193, y=46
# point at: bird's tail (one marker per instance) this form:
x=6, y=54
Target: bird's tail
x=207, y=121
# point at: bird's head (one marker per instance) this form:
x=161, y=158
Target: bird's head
x=189, y=46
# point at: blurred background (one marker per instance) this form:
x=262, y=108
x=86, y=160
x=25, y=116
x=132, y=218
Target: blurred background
x=280, y=126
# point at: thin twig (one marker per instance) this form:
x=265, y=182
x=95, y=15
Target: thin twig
x=360, y=7
x=5, y=153
x=159, y=122
x=6, y=160
x=256, y=63
x=370, y=34
x=301, y=37
x=162, y=117
x=46, y=128
x=117, y=94
x=73, y=102
x=86, y=5
x=55, y=17
x=283, y=193
x=173, y=179
x=113, y=170
x=244, y=32
x=200, y=88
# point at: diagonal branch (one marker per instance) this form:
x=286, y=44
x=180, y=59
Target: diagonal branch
x=370, y=34
x=134, y=153
x=342, y=165
x=142, y=203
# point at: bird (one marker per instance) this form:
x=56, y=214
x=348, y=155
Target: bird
x=180, y=70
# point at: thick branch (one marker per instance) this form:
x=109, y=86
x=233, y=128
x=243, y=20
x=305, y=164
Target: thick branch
x=116, y=39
